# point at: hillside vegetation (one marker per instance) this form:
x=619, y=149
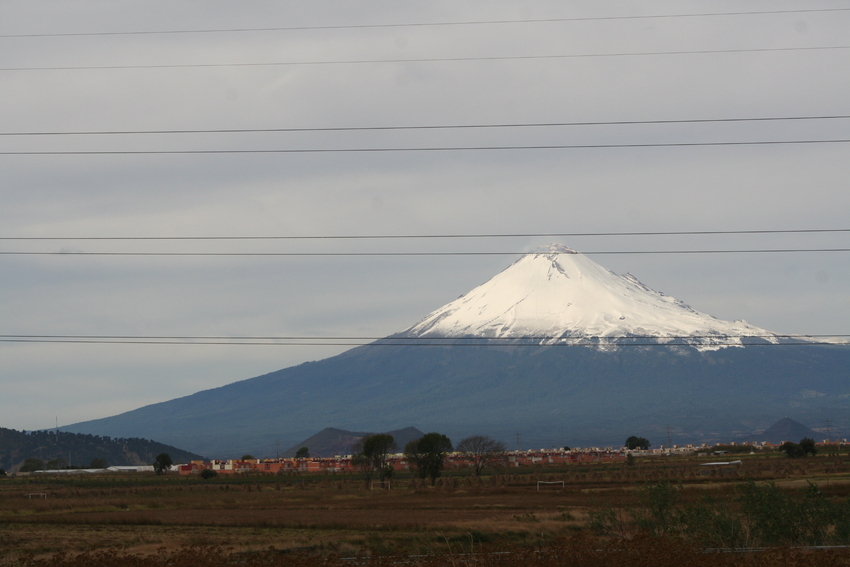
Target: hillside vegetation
x=62, y=449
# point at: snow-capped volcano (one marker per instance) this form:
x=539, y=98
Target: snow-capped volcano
x=591, y=395
x=557, y=294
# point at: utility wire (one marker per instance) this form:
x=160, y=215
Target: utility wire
x=385, y=254
x=412, y=236
x=428, y=59
x=569, y=342
x=403, y=338
x=421, y=148
x=419, y=24
x=426, y=127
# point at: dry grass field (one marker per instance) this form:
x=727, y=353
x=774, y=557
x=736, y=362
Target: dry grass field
x=651, y=510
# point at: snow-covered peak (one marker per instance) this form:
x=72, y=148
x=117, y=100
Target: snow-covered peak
x=559, y=295
x=553, y=248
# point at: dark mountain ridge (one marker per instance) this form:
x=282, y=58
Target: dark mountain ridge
x=786, y=429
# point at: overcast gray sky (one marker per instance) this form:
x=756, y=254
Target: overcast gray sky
x=78, y=67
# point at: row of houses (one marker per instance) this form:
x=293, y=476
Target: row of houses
x=540, y=457
x=343, y=464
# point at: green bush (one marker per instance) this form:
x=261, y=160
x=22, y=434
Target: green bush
x=658, y=514
x=712, y=524
x=757, y=515
x=775, y=517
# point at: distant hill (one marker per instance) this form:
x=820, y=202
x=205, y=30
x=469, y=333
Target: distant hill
x=330, y=441
x=786, y=429
x=77, y=449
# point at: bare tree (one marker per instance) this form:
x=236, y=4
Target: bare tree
x=484, y=451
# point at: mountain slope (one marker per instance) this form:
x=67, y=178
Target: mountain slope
x=552, y=395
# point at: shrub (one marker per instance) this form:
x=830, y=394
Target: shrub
x=32, y=464
x=793, y=450
x=659, y=513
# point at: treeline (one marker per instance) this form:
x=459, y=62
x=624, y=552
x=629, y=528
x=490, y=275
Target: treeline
x=79, y=450
x=426, y=454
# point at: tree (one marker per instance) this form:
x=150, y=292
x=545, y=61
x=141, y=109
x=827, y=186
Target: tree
x=209, y=473
x=428, y=454
x=163, y=461
x=302, y=453
x=483, y=451
x=634, y=442
x=414, y=458
x=793, y=450
x=32, y=464
x=370, y=455
x=98, y=464
x=807, y=444
x=389, y=471
x=248, y=457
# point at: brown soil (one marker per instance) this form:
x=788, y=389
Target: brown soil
x=153, y=515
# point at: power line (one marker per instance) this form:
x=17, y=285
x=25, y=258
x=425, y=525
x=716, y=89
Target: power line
x=290, y=340
x=418, y=24
x=408, y=339
x=427, y=59
x=412, y=236
x=387, y=254
x=421, y=148
x=427, y=127
x=482, y=343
